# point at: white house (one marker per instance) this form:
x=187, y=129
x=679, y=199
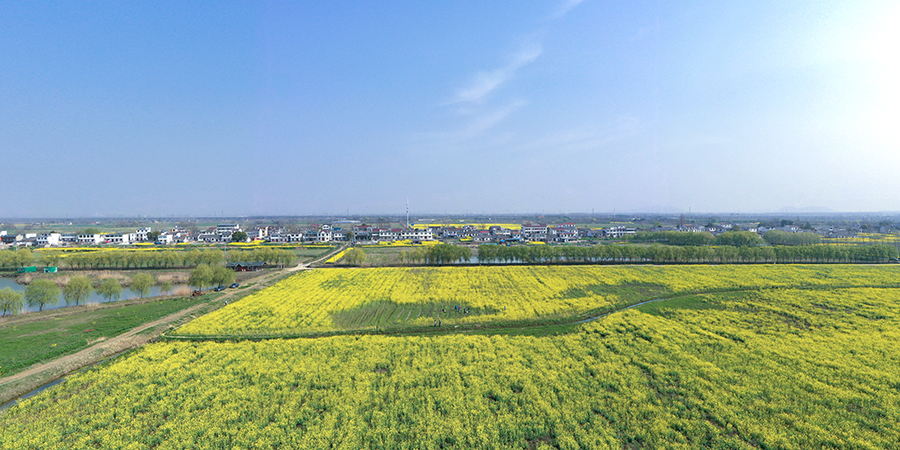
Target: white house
x=48, y=239
x=388, y=234
x=324, y=235
x=417, y=235
x=120, y=238
x=227, y=228
x=211, y=237
x=141, y=234
x=534, y=232
x=89, y=239
x=618, y=231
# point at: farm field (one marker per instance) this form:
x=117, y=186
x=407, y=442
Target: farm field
x=774, y=368
x=334, y=301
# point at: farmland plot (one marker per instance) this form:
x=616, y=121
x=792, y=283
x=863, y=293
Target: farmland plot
x=339, y=301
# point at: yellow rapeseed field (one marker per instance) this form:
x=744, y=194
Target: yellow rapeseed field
x=777, y=368
x=337, y=256
x=335, y=300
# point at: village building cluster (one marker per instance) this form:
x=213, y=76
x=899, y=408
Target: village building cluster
x=353, y=230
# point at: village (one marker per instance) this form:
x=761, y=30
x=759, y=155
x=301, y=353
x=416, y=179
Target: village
x=355, y=231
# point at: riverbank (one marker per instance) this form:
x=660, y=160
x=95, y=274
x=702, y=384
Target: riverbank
x=124, y=277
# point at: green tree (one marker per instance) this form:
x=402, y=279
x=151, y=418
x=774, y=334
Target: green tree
x=40, y=293
x=140, y=284
x=165, y=287
x=10, y=301
x=739, y=239
x=200, y=277
x=23, y=257
x=50, y=258
x=110, y=289
x=222, y=276
x=446, y=254
x=238, y=236
x=355, y=257
x=77, y=290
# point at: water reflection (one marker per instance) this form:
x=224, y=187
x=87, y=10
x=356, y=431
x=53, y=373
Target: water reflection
x=127, y=294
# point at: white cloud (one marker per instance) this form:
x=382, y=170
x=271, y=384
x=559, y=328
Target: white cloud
x=472, y=131
x=564, y=9
x=484, y=83
x=488, y=120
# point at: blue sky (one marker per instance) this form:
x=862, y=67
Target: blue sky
x=249, y=108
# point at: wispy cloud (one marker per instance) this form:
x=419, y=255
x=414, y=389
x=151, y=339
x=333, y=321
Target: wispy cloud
x=488, y=120
x=484, y=83
x=473, y=128
x=564, y=9
x=476, y=103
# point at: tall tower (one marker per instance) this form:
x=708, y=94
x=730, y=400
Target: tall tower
x=407, y=213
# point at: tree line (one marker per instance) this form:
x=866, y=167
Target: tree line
x=204, y=276
x=124, y=259
x=733, y=238
x=659, y=253
x=77, y=290
x=437, y=254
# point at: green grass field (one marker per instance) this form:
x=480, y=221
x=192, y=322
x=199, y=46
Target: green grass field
x=38, y=337
x=380, y=256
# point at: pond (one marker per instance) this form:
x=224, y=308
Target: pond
x=93, y=298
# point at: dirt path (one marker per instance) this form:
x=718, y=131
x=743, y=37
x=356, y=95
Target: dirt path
x=310, y=265
x=100, y=350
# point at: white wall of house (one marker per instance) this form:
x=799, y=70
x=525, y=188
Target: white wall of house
x=48, y=239
x=228, y=228
x=417, y=235
x=140, y=234
x=89, y=239
x=118, y=239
